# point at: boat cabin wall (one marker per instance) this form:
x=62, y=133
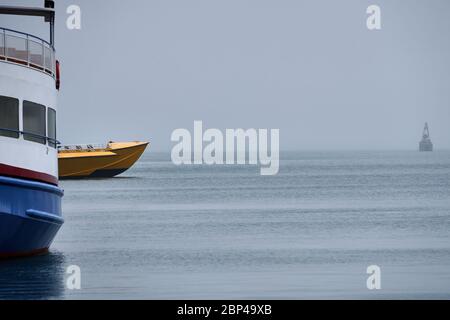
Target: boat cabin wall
x=30, y=97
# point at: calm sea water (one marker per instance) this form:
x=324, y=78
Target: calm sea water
x=161, y=231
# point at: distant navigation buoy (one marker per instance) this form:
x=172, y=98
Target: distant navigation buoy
x=426, y=144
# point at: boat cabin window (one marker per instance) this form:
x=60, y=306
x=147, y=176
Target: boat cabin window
x=9, y=117
x=51, y=127
x=34, y=125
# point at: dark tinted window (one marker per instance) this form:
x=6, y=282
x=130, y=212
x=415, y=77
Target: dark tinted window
x=34, y=122
x=9, y=117
x=51, y=126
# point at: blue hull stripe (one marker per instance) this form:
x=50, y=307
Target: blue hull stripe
x=48, y=217
x=31, y=185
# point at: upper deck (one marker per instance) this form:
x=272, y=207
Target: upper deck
x=28, y=51
x=29, y=83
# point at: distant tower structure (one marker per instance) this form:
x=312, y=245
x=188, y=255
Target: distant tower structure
x=426, y=144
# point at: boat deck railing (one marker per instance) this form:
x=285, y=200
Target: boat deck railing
x=27, y=50
x=83, y=147
x=16, y=133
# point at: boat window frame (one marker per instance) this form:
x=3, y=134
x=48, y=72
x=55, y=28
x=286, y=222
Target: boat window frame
x=12, y=133
x=29, y=135
x=17, y=132
x=52, y=142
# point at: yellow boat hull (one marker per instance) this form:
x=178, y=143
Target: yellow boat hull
x=116, y=158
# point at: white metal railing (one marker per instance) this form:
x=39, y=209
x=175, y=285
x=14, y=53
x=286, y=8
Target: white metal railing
x=83, y=147
x=25, y=49
x=53, y=142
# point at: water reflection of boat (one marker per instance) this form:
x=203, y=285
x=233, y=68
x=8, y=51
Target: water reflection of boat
x=34, y=278
x=95, y=161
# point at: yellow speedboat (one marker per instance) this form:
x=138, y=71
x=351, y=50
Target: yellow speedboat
x=81, y=161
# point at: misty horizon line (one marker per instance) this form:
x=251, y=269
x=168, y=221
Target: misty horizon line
x=160, y=150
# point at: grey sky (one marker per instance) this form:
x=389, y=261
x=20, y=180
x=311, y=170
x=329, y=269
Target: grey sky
x=140, y=69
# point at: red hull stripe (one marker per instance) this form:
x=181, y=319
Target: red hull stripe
x=23, y=254
x=15, y=172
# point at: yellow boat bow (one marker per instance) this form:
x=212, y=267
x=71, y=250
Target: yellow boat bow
x=98, y=161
